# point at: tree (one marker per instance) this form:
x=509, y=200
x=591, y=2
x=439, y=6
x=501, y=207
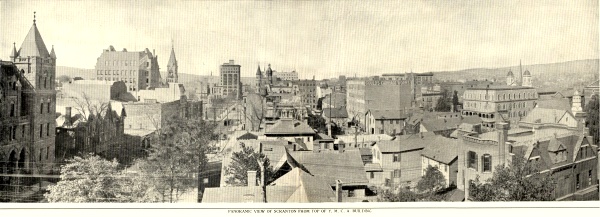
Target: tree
x=455, y=100
x=593, y=116
x=90, y=179
x=443, y=103
x=247, y=160
x=403, y=195
x=432, y=182
x=255, y=110
x=63, y=78
x=317, y=122
x=178, y=151
x=521, y=181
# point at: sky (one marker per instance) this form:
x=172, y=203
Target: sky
x=316, y=38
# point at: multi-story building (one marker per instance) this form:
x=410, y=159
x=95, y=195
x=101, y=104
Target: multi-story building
x=307, y=91
x=568, y=156
x=389, y=92
x=27, y=102
x=286, y=76
x=138, y=69
x=230, y=80
x=389, y=122
x=590, y=90
x=499, y=103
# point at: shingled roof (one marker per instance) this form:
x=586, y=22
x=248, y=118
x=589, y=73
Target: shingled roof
x=445, y=150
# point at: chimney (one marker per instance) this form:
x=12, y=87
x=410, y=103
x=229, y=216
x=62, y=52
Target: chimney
x=502, y=128
x=294, y=146
x=68, y=114
x=338, y=190
x=252, y=178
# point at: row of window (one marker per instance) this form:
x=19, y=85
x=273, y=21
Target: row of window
x=120, y=63
x=514, y=96
x=122, y=72
x=12, y=132
x=578, y=181
x=47, y=126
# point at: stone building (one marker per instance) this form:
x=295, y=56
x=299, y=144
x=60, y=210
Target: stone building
x=28, y=101
x=138, y=69
x=307, y=91
x=230, y=80
x=286, y=76
x=499, y=103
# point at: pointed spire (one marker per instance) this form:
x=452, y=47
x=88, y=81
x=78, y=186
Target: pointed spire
x=34, y=18
x=52, y=54
x=14, y=53
x=33, y=45
x=172, y=59
x=258, y=72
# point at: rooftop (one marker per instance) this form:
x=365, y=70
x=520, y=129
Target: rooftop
x=335, y=112
x=289, y=126
x=408, y=142
x=388, y=114
x=330, y=166
x=499, y=87
x=445, y=150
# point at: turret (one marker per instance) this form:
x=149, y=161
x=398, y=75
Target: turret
x=269, y=74
x=527, y=79
x=510, y=79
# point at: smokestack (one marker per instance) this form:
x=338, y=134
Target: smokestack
x=338, y=190
x=502, y=129
x=252, y=178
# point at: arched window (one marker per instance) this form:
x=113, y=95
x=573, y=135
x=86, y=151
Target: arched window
x=487, y=163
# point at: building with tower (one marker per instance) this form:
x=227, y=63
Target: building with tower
x=527, y=79
x=230, y=80
x=522, y=79
x=172, y=73
x=27, y=107
x=138, y=69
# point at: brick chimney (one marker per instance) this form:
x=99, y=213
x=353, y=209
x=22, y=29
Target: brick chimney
x=252, y=178
x=68, y=114
x=502, y=129
x=338, y=190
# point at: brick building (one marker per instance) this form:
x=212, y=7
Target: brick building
x=230, y=80
x=307, y=91
x=499, y=103
x=138, y=69
x=28, y=101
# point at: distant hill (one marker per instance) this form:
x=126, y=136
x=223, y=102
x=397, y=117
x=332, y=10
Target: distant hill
x=552, y=75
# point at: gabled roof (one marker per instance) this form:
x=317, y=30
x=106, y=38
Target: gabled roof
x=33, y=45
x=247, y=136
x=245, y=194
x=439, y=124
x=309, y=188
x=555, y=145
x=288, y=126
x=543, y=115
x=363, y=138
x=331, y=166
x=335, y=112
x=408, y=143
x=445, y=150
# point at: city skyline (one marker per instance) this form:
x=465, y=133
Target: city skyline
x=324, y=39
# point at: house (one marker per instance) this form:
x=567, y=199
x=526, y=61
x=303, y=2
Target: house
x=445, y=126
x=339, y=116
x=398, y=162
x=389, y=122
x=361, y=140
x=293, y=131
x=443, y=155
x=366, y=155
x=544, y=116
x=323, y=142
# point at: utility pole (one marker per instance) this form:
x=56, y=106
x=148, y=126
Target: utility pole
x=261, y=164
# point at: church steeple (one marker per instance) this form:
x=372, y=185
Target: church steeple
x=33, y=45
x=52, y=54
x=172, y=67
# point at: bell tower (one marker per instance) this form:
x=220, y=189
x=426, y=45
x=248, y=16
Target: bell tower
x=172, y=76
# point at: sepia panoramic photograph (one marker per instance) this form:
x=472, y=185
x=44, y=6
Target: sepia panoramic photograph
x=218, y=103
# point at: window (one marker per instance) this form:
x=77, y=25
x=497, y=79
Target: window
x=41, y=108
x=445, y=168
x=23, y=131
x=589, y=177
x=472, y=160
x=40, y=156
x=397, y=174
x=381, y=131
x=396, y=158
x=41, y=130
x=372, y=175
x=47, y=153
x=48, y=108
x=48, y=129
x=487, y=163
x=12, y=110
x=577, y=184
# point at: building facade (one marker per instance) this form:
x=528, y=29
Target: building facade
x=286, y=76
x=230, y=80
x=499, y=103
x=28, y=102
x=138, y=69
x=307, y=91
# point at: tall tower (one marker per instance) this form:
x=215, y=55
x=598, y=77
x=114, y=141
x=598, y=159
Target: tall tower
x=258, y=78
x=510, y=78
x=527, y=79
x=38, y=66
x=269, y=73
x=172, y=76
x=576, y=108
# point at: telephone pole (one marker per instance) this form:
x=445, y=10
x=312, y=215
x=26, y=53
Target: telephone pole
x=261, y=164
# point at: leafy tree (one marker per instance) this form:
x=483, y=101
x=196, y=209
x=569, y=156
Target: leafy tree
x=593, y=116
x=320, y=124
x=432, y=182
x=90, y=179
x=403, y=195
x=455, y=100
x=178, y=151
x=247, y=160
x=443, y=103
x=521, y=181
